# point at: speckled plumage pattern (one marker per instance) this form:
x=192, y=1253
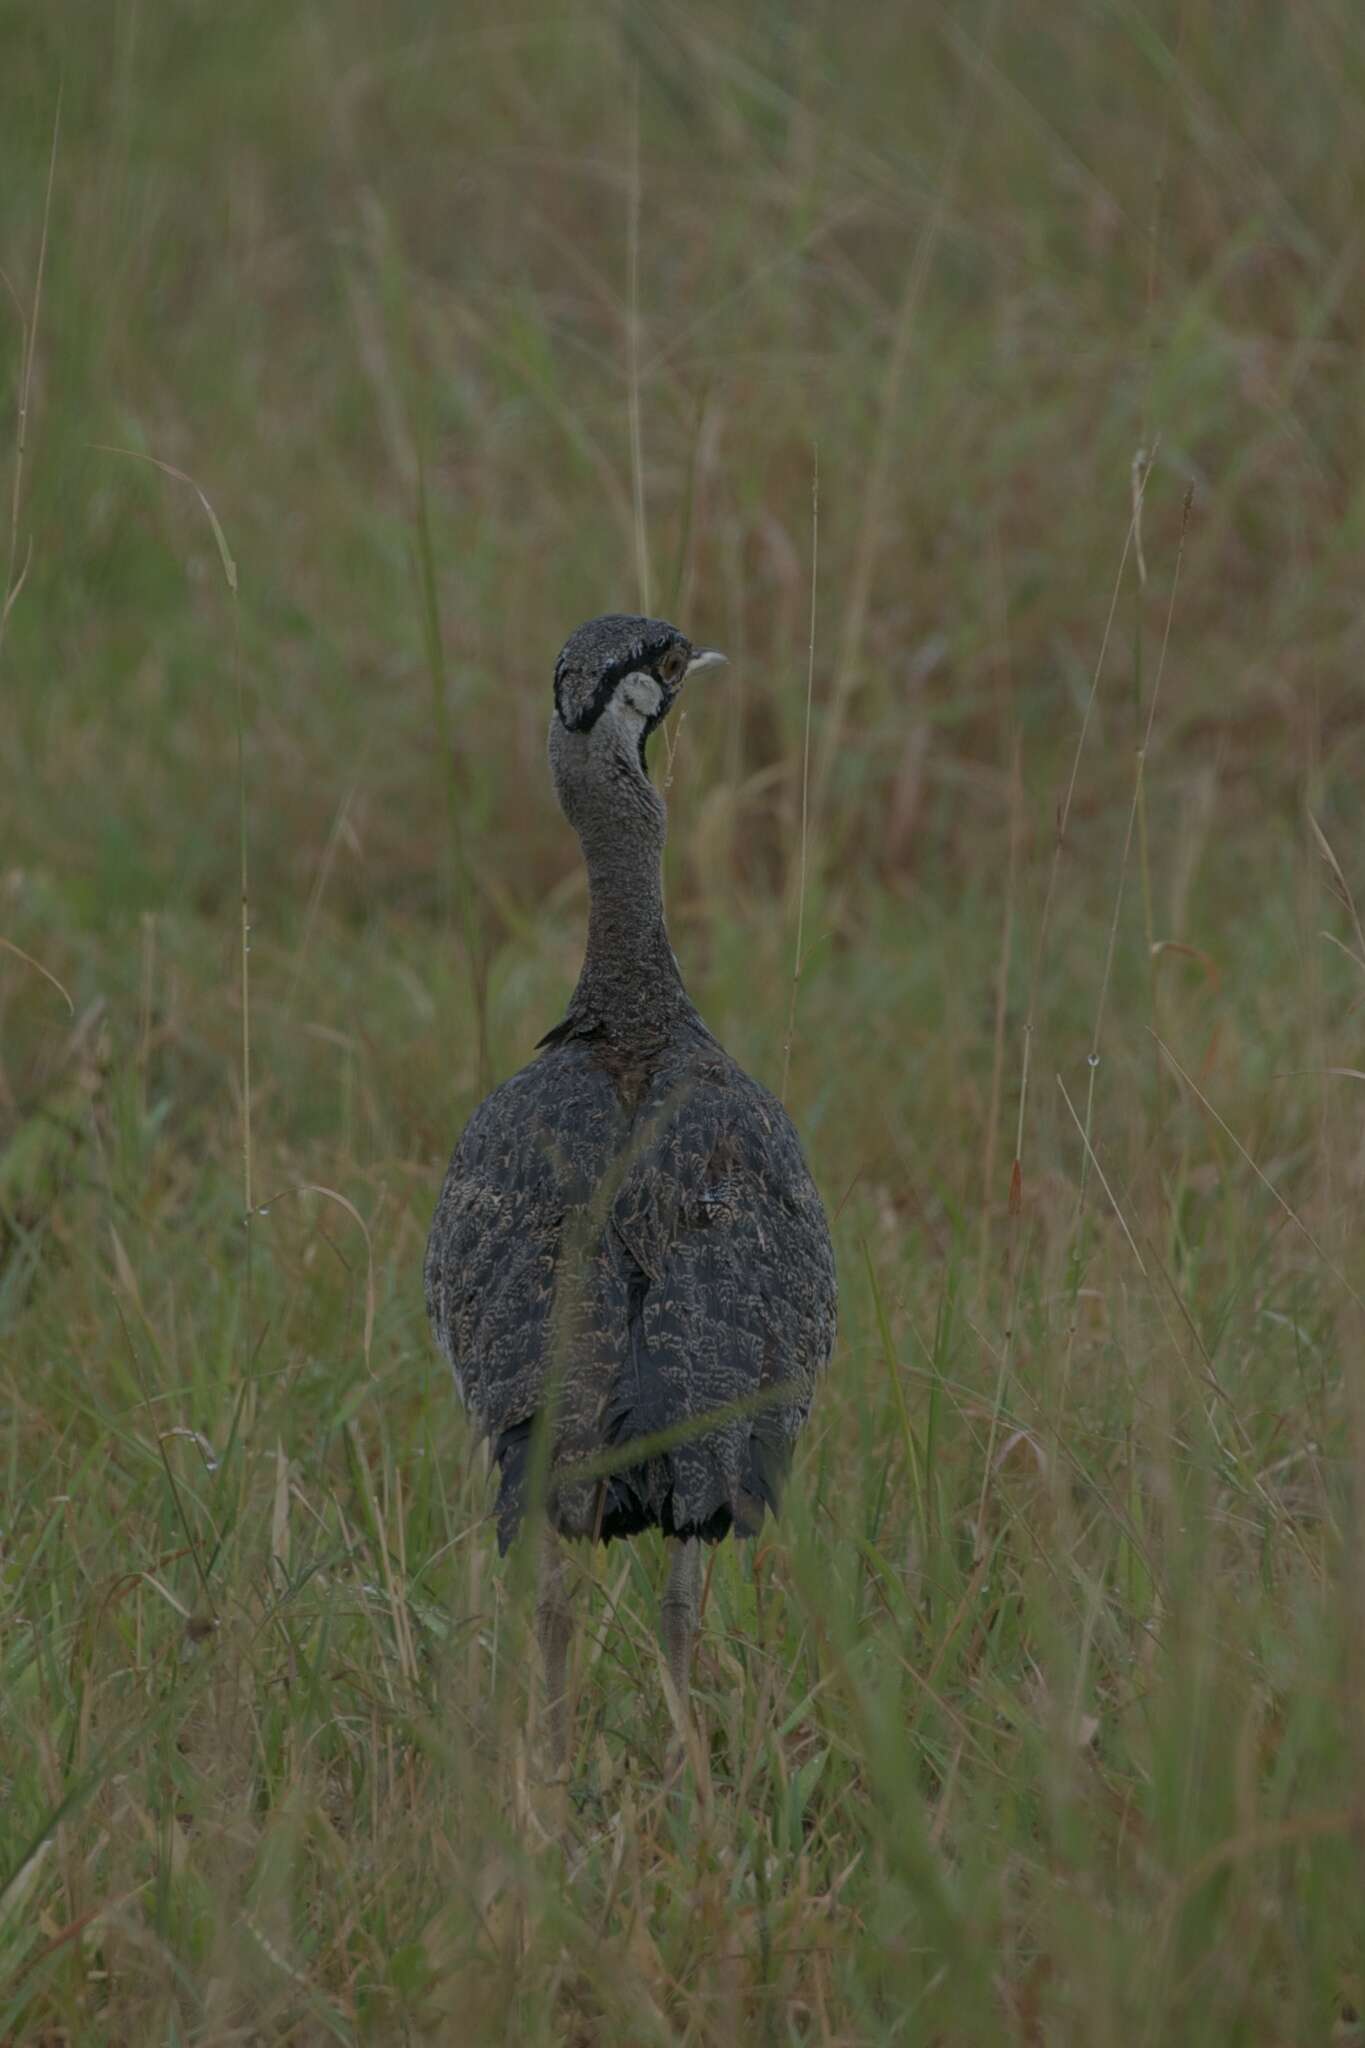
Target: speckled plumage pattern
x=628, y=1241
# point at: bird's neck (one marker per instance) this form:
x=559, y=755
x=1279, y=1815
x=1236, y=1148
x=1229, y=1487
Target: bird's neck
x=630, y=988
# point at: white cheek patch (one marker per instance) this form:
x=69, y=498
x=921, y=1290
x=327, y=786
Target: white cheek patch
x=638, y=698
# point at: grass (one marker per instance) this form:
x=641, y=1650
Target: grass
x=1038, y=1717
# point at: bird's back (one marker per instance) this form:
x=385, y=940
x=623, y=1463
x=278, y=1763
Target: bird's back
x=639, y=1256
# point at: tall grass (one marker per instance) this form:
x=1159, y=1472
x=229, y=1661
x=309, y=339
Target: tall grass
x=1037, y=1717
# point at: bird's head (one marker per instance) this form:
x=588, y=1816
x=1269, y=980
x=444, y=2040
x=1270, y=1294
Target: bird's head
x=615, y=681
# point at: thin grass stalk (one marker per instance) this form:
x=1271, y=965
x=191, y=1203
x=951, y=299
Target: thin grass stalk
x=462, y=880
x=191, y=1542
x=240, y=1406
x=805, y=773
x=1009, y=727
x=245, y=881
x=868, y=548
x=1093, y=1057
x=8, y=946
x=1139, y=778
x=29, y=350
x=1264, y=1178
x=637, y=460
x=1063, y=818
x=1017, y=1170
x=680, y=591
x=229, y=568
x=1002, y=976
x=916, y=1463
x=681, y=586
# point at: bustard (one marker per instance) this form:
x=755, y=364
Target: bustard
x=628, y=1247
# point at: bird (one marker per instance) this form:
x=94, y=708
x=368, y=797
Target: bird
x=630, y=1268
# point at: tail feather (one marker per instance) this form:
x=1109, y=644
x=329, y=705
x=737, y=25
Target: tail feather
x=692, y=1490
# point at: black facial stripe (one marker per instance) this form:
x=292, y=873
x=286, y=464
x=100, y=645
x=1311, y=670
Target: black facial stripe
x=641, y=660
x=651, y=725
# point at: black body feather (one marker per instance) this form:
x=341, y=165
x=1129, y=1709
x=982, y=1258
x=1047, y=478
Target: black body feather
x=628, y=1274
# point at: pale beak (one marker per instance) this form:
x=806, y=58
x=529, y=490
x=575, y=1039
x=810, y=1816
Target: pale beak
x=704, y=657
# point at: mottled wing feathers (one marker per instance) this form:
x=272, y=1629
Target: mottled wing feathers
x=530, y=1159
x=736, y=1319
x=667, y=1275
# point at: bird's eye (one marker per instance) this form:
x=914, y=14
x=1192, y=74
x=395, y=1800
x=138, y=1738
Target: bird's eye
x=673, y=665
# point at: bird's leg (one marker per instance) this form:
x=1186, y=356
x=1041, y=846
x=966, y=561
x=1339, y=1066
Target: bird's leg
x=681, y=1604
x=553, y=1629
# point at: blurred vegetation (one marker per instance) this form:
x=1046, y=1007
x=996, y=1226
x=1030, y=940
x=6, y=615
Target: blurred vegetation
x=1039, y=1716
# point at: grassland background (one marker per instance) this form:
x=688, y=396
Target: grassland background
x=1039, y=1718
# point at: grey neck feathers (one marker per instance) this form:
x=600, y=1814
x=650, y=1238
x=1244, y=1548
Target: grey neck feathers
x=630, y=987
x=630, y=990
